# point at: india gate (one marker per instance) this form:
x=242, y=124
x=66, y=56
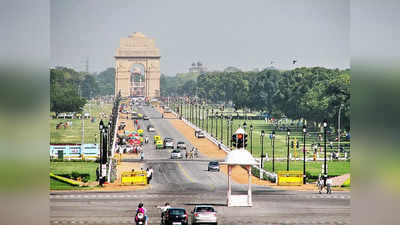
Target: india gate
x=137, y=67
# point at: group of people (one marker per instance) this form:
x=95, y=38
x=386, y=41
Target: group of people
x=193, y=153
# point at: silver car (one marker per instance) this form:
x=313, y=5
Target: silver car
x=204, y=214
x=176, y=154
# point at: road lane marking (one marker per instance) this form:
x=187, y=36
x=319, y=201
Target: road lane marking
x=184, y=172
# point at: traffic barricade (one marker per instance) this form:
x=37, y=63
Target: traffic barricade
x=290, y=178
x=134, y=178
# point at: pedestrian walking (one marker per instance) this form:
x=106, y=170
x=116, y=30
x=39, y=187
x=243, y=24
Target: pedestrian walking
x=151, y=173
x=148, y=175
x=97, y=174
x=141, y=155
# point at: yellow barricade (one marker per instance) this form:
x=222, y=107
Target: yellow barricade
x=290, y=178
x=134, y=178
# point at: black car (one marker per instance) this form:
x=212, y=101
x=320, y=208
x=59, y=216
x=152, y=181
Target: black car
x=181, y=145
x=175, y=216
x=213, y=166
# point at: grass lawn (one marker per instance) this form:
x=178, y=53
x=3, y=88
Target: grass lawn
x=74, y=134
x=280, y=137
x=69, y=167
x=335, y=168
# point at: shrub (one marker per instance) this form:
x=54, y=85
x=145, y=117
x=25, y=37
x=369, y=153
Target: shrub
x=75, y=175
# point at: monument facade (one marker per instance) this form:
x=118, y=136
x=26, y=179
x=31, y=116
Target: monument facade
x=135, y=52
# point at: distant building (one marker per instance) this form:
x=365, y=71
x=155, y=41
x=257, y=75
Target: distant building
x=197, y=68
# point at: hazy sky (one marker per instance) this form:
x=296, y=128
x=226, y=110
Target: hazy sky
x=219, y=33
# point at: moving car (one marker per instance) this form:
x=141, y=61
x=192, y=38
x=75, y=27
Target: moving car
x=168, y=142
x=175, y=216
x=150, y=128
x=159, y=144
x=157, y=138
x=145, y=117
x=176, y=154
x=204, y=214
x=199, y=134
x=181, y=145
x=213, y=166
x=167, y=110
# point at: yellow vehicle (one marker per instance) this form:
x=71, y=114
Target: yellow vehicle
x=157, y=138
x=159, y=144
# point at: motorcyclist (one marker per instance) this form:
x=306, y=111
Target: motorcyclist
x=143, y=211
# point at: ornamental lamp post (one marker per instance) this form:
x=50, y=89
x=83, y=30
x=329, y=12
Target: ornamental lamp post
x=325, y=123
x=212, y=121
x=273, y=150
x=101, y=125
x=340, y=109
x=231, y=128
x=262, y=149
x=216, y=125
x=222, y=126
x=304, y=153
x=288, y=140
x=207, y=119
x=251, y=139
x=227, y=131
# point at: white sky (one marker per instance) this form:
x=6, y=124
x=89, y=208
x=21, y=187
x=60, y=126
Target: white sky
x=244, y=34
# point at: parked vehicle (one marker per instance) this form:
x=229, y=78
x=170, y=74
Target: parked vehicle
x=167, y=110
x=145, y=117
x=175, y=216
x=176, y=154
x=204, y=214
x=181, y=145
x=213, y=166
x=199, y=134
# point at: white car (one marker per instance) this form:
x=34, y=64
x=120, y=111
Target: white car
x=176, y=154
x=204, y=214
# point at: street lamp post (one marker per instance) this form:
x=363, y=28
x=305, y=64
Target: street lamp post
x=262, y=149
x=202, y=117
x=101, y=126
x=273, y=150
x=288, y=140
x=304, y=153
x=207, y=119
x=227, y=131
x=212, y=121
x=325, y=173
x=222, y=126
x=251, y=139
x=231, y=128
x=216, y=125
x=340, y=109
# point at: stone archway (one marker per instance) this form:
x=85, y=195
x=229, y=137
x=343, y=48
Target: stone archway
x=137, y=49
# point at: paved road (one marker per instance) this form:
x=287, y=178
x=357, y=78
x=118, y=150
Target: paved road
x=187, y=183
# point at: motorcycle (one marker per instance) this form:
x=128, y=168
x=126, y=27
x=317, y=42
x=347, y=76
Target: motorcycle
x=140, y=219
